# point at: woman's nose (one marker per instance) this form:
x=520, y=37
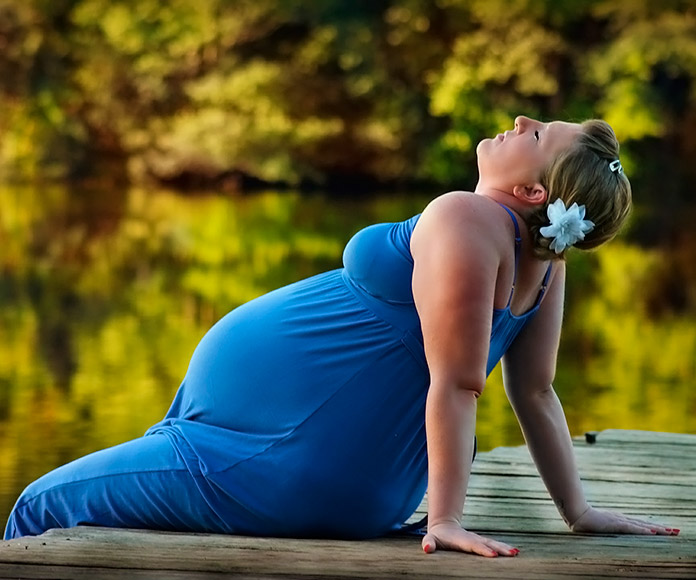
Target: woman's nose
x=521, y=123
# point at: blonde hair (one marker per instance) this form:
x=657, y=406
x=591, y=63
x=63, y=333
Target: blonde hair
x=582, y=175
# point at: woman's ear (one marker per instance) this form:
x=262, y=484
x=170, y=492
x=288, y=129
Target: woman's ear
x=534, y=194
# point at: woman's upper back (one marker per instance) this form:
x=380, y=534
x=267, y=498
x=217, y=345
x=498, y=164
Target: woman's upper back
x=500, y=235
x=464, y=267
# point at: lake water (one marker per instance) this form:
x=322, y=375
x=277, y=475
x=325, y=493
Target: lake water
x=105, y=294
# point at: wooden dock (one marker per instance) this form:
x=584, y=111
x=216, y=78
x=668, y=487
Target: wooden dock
x=638, y=472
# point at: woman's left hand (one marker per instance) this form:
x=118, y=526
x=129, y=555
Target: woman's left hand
x=451, y=536
x=605, y=522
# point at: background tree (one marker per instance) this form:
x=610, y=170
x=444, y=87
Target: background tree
x=337, y=94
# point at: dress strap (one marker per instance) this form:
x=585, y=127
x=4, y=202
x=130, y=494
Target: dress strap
x=544, y=286
x=518, y=246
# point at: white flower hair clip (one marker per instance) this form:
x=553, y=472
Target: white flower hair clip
x=568, y=226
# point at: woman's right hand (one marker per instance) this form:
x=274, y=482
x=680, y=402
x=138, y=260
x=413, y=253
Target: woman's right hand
x=451, y=536
x=594, y=521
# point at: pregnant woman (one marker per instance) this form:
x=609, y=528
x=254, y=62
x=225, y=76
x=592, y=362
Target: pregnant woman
x=325, y=408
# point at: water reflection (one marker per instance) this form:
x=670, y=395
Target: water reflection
x=104, y=295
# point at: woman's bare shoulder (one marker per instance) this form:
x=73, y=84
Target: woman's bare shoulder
x=464, y=212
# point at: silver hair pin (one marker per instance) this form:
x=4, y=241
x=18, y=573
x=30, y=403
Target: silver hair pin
x=615, y=166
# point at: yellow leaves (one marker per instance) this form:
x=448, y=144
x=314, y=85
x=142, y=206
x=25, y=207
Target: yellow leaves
x=508, y=47
x=403, y=21
x=381, y=133
x=240, y=119
x=318, y=50
x=241, y=85
x=632, y=112
x=639, y=365
x=23, y=126
x=17, y=344
x=299, y=92
x=117, y=23
x=514, y=54
x=134, y=28
x=481, y=85
x=313, y=129
x=458, y=141
x=626, y=67
x=506, y=11
x=623, y=272
x=643, y=369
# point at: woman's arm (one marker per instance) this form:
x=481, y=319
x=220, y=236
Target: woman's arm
x=529, y=367
x=528, y=370
x=455, y=270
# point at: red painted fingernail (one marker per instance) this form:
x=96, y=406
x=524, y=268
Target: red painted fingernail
x=675, y=531
x=494, y=555
x=515, y=551
x=427, y=548
x=653, y=531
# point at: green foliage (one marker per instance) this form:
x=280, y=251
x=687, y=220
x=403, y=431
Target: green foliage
x=620, y=343
x=637, y=69
x=297, y=92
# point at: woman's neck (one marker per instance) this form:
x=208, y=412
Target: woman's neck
x=506, y=198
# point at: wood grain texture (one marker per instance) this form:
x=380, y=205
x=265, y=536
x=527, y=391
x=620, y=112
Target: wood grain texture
x=642, y=473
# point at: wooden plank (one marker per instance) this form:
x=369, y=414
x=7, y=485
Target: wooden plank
x=616, y=475
x=507, y=499
x=46, y=572
x=612, y=486
x=540, y=516
x=637, y=437
x=653, y=499
x=532, y=487
x=551, y=556
x=643, y=456
x=652, y=458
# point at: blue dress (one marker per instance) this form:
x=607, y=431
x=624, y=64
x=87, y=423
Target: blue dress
x=301, y=414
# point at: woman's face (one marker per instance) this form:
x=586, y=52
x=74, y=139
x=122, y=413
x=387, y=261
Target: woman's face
x=518, y=157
